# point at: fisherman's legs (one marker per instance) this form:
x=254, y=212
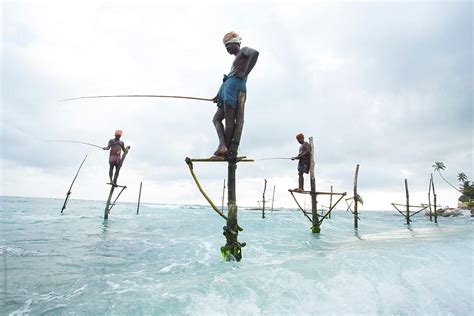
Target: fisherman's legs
x=300, y=181
x=217, y=121
x=111, y=172
x=230, y=114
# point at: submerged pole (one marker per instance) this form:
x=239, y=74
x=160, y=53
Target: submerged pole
x=330, y=203
x=434, y=201
x=232, y=250
x=408, y=202
x=314, y=203
x=112, y=186
x=356, y=199
x=263, y=198
x=223, y=197
x=273, y=197
x=429, y=198
x=72, y=183
x=139, y=196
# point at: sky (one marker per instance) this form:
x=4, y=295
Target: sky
x=383, y=84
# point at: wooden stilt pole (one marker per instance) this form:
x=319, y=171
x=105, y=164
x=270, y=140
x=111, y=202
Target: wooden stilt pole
x=69, y=191
x=429, y=198
x=330, y=203
x=314, y=203
x=223, y=197
x=263, y=198
x=408, y=202
x=273, y=197
x=112, y=187
x=356, y=199
x=139, y=196
x=434, y=201
x=233, y=249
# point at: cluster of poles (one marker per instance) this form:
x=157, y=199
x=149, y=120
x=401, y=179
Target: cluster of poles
x=232, y=250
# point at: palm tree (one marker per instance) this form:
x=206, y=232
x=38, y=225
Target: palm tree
x=438, y=166
x=462, y=177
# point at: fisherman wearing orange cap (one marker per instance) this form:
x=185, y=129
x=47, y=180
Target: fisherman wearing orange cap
x=304, y=158
x=116, y=146
x=233, y=83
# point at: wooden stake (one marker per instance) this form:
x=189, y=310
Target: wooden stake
x=112, y=186
x=356, y=199
x=429, y=198
x=273, y=197
x=314, y=203
x=69, y=191
x=330, y=203
x=223, y=196
x=434, y=196
x=408, y=203
x=139, y=196
x=233, y=249
x=263, y=198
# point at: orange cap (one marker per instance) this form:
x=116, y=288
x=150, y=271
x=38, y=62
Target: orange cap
x=118, y=132
x=299, y=136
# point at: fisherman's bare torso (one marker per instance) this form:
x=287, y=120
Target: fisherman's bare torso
x=244, y=62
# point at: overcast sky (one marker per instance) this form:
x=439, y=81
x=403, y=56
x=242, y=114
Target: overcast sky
x=387, y=85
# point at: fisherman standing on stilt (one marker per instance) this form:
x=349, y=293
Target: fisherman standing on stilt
x=233, y=83
x=116, y=146
x=304, y=158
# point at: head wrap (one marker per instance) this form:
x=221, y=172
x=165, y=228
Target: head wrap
x=118, y=132
x=300, y=136
x=232, y=37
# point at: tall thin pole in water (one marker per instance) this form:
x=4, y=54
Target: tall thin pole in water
x=408, y=202
x=330, y=204
x=109, y=205
x=434, y=201
x=223, y=196
x=263, y=198
x=69, y=191
x=139, y=196
x=314, y=203
x=233, y=248
x=429, y=198
x=273, y=197
x=356, y=199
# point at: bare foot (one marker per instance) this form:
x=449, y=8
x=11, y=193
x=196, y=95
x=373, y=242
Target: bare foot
x=221, y=151
x=298, y=190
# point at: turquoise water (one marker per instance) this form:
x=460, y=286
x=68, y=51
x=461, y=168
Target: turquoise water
x=166, y=261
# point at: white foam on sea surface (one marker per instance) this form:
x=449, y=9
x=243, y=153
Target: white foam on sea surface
x=167, y=261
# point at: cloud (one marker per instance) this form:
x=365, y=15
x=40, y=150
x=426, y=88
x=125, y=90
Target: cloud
x=387, y=85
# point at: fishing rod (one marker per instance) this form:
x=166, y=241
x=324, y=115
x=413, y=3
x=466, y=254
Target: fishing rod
x=69, y=191
x=139, y=96
x=73, y=141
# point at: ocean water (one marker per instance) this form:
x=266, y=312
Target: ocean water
x=166, y=261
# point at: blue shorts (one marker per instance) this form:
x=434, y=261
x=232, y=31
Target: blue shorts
x=229, y=91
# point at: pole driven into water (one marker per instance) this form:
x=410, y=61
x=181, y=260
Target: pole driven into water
x=314, y=202
x=72, y=183
x=139, y=196
x=223, y=196
x=356, y=199
x=263, y=198
x=408, y=202
x=273, y=197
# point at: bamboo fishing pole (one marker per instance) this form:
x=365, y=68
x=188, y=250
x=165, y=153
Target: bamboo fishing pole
x=73, y=141
x=69, y=191
x=139, y=96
